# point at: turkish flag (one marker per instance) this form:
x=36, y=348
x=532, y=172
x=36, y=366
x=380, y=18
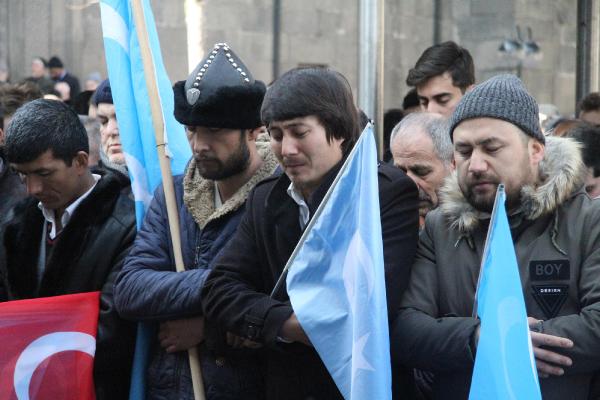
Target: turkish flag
x=47, y=347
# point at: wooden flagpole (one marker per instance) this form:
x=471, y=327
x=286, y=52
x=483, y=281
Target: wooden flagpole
x=165, y=168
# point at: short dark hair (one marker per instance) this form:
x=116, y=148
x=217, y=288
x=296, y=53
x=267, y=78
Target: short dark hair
x=589, y=136
x=43, y=125
x=14, y=96
x=444, y=57
x=321, y=92
x=591, y=102
x=411, y=99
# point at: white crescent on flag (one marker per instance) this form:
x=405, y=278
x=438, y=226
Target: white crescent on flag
x=113, y=26
x=42, y=348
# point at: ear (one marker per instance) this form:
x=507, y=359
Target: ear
x=253, y=134
x=536, y=151
x=452, y=165
x=80, y=161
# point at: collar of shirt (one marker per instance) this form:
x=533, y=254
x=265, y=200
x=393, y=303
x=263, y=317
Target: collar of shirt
x=304, y=214
x=218, y=201
x=66, y=217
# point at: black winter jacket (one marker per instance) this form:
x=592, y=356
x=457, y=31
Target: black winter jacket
x=87, y=256
x=236, y=294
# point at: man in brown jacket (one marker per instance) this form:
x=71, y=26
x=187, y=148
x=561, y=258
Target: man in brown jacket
x=556, y=232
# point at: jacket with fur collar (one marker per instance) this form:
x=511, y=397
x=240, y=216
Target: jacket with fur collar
x=149, y=275
x=557, y=249
x=562, y=173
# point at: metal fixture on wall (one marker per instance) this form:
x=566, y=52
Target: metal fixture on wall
x=521, y=50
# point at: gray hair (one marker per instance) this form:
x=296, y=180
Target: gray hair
x=432, y=124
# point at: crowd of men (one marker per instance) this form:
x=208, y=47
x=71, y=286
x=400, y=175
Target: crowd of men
x=263, y=160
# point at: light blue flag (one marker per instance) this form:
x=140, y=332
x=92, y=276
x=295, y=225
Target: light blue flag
x=336, y=282
x=504, y=365
x=132, y=105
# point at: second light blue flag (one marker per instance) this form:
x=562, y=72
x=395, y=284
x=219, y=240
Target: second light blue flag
x=504, y=365
x=336, y=282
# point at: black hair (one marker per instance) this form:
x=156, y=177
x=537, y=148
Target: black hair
x=390, y=119
x=411, y=99
x=589, y=136
x=591, y=102
x=444, y=57
x=42, y=125
x=317, y=91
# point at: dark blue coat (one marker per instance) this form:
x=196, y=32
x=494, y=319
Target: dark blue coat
x=148, y=290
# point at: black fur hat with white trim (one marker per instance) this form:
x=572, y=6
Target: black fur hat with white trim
x=220, y=93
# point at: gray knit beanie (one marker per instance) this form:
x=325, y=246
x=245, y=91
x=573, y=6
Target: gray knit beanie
x=503, y=97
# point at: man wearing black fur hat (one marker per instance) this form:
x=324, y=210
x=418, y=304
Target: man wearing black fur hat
x=73, y=231
x=219, y=104
x=555, y=228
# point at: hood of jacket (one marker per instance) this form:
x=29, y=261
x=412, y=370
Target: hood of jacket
x=561, y=174
x=199, y=193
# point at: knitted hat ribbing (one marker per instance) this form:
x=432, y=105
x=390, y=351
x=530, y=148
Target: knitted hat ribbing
x=503, y=97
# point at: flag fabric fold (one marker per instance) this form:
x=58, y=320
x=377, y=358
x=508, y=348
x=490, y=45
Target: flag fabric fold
x=48, y=347
x=504, y=364
x=132, y=102
x=336, y=282
x=132, y=105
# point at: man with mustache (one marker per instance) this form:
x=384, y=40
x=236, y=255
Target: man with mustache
x=313, y=123
x=422, y=148
x=219, y=104
x=72, y=232
x=555, y=228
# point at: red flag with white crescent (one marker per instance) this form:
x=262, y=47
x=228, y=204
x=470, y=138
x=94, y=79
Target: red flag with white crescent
x=47, y=347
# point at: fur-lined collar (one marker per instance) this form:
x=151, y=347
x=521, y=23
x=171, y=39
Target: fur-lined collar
x=562, y=172
x=199, y=193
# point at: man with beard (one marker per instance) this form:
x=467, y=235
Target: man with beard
x=555, y=228
x=219, y=104
x=422, y=148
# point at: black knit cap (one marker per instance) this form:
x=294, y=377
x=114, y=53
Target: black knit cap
x=503, y=97
x=103, y=93
x=55, y=62
x=220, y=93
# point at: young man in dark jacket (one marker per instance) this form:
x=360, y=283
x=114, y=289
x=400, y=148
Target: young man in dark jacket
x=555, y=228
x=73, y=231
x=313, y=125
x=219, y=104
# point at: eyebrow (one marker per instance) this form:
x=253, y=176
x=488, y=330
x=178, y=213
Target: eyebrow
x=482, y=142
x=287, y=125
x=437, y=96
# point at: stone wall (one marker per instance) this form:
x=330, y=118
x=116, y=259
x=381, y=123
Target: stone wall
x=72, y=30
x=323, y=32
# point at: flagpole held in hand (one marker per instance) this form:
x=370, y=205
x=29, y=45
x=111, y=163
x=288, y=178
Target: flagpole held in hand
x=165, y=168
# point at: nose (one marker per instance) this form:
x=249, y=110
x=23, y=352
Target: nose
x=477, y=163
x=112, y=127
x=199, y=146
x=433, y=107
x=34, y=185
x=288, y=146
